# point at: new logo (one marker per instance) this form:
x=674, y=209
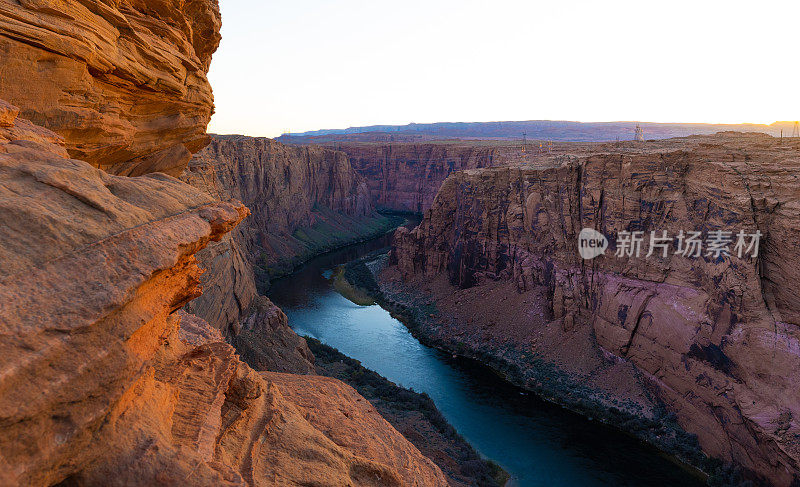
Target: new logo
x=591, y=243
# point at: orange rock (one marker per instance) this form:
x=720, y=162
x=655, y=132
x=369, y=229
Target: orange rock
x=101, y=383
x=93, y=265
x=124, y=83
x=340, y=419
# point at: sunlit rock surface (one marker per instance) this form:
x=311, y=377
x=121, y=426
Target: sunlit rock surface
x=123, y=82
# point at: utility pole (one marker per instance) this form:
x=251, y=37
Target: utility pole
x=524, y=135
x=639, y=133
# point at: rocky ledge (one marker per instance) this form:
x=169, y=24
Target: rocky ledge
x=107, y=382
x=123, y=82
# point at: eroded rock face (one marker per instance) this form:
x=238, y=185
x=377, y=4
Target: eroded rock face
x=123, y=82
x=406, y=176
x=106, y=381
x=93, y=267
x=338, y=415
x=303, y=200
x=716, y=339
x=265, y=341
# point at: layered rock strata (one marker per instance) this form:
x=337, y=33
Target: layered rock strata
x=123, y=82
x=304, y=200
x=105, y=381
x=405, y=177
x=714, y=339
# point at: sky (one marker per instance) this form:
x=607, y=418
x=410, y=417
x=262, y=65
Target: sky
x=298, y=65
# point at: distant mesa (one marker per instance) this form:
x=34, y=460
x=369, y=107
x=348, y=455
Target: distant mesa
x=556, y=130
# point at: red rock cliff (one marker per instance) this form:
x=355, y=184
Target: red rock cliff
x=303, y=200
x=716, y=339
x=123, y=82
x=406, y=176
x=104, y=380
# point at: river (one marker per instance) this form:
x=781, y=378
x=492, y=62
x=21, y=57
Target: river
x=538, y=443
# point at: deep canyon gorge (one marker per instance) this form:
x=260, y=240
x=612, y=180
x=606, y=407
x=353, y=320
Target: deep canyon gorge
x=713, y=341
x=139, y=346
x=106, y=381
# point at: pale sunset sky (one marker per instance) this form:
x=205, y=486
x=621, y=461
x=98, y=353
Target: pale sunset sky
x=297, y=65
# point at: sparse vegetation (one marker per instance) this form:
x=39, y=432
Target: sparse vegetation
x=349, y=291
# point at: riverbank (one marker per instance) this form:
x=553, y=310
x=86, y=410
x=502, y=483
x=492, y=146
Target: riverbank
x=420, y=310
x=415, y=416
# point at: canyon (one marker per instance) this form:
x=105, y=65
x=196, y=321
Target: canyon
x=404, y=177
x=303, y=201
x=139, y=348
x=713, y=341
x=106, y=378
x=119, y=387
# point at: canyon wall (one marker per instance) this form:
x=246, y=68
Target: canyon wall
x=105, y=379
x=714, y=338
x=405, y=177
x=123, y=82
x=303, y=201
x=105, y=382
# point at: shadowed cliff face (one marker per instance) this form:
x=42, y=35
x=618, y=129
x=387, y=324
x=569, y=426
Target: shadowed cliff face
x=406, y=177
x=123, y=82
x=716, y=339
x=293, y=193
x=304, y=200
x=287, y=188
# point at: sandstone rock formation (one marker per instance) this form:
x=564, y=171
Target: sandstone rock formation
x=406, y=177
x=340, y=416
x=93, y=265
x=264, y=340
x=304, y=200
x=716, y=339
x=123, y=82
x=105, y=381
